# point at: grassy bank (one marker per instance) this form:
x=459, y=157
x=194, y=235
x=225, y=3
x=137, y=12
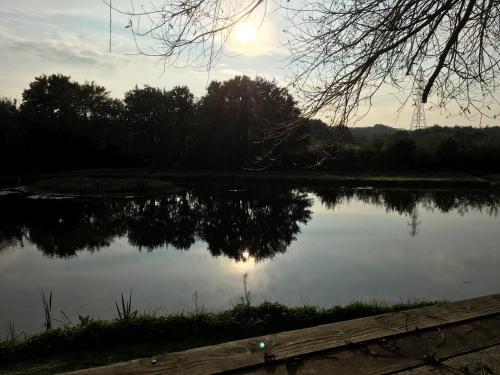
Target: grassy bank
x=290, y=178
x=299, y=179
x=93, y=343
x=102, y=186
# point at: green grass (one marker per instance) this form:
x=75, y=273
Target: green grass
x=99, y=342
x=102, y=186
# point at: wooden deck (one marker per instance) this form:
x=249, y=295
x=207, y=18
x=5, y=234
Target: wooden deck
x=452, y=338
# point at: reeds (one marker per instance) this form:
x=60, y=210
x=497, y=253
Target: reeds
x=11, y=332
x=125, y=313
x=47, y=309
x=245, y=298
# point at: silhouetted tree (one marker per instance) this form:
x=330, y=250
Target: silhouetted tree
x=400, y=152
x=447, y=153
x=8, y=111
x=242, y=119
x=68, y=122
x=159, y=122
x=51, y=99
x=11, y=135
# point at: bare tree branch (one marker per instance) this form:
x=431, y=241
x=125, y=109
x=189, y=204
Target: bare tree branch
x=343, y=51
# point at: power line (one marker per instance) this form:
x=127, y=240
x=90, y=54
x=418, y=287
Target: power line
x=110, y=8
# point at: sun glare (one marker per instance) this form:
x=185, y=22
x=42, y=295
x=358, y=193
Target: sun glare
x=245, y=255
x=245, y=33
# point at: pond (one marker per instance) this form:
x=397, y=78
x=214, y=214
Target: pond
x=297, y=246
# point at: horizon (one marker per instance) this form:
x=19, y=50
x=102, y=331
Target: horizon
x=361, y=124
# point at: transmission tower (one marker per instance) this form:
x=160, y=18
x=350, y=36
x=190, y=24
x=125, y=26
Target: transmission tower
x=418, y=117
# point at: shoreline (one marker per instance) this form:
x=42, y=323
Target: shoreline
x=288, y=178
x=99, y=342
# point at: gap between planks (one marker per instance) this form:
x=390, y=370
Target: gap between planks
x=483, y=362
x=393, y=354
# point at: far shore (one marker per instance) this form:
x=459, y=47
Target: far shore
x=288, y=178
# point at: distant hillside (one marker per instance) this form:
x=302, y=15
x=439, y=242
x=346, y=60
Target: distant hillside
x=434, y=149
x=377, y=130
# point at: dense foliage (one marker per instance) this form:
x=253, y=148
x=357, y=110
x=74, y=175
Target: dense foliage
x=239, y=123
x=433, y=149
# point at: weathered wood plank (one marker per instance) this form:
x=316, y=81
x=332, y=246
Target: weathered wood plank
x=244, y=353
x=386, y=356
x=484, y=362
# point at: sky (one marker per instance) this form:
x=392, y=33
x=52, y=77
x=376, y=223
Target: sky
x=72, y=37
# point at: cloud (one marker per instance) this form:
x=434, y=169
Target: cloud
x=58, y=38
x=37, y=8
x=52, y=52
x=63, y=48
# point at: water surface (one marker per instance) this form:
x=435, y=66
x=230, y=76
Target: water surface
x=320, y=247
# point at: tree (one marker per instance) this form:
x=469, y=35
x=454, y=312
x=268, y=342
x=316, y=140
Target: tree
x=10, y=135
x=240, y=121
x=69, y=124
x=57, y=99
x=8, y=109
x=51, y=99
x=400, y=152
x=159, y=122
x=181, y=117
x=448, y=153
x=343, y=51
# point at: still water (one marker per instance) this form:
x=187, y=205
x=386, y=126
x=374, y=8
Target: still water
x=317, y=246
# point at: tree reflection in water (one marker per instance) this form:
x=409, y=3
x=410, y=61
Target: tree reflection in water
x=255, y=223
x=406, y=202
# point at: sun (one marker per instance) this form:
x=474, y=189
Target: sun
x=245, y=33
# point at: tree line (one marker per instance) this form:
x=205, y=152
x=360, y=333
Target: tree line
x=434, y=149
x=62, y=124
x=240, y=123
